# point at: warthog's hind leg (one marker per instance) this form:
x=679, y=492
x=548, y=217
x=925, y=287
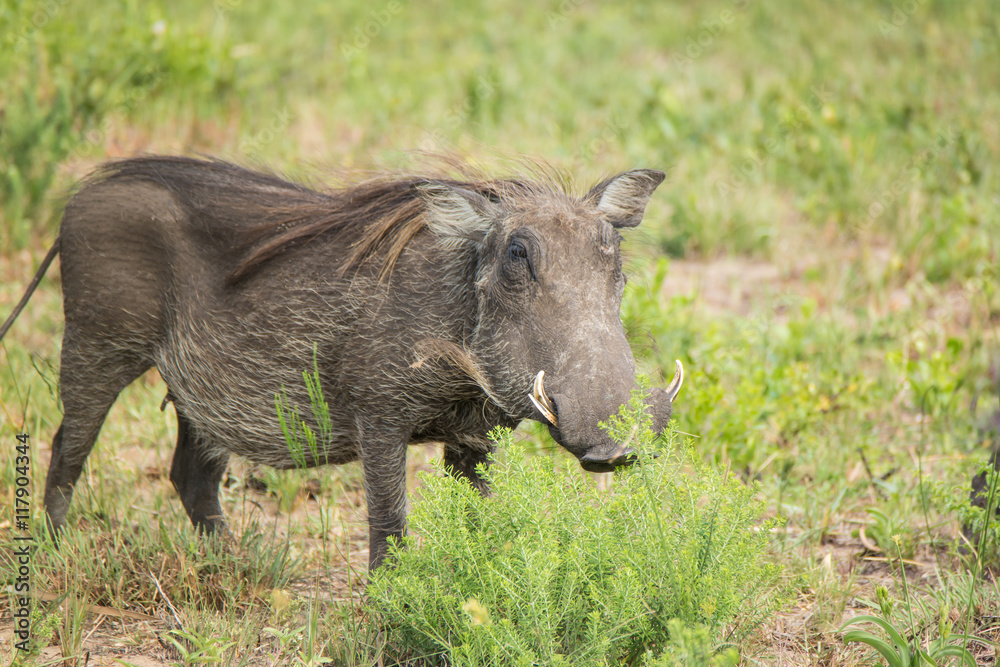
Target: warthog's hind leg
x=196, y=473
x=90, y=379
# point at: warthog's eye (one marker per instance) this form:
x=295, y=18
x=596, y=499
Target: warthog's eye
x=519, y=258
x=516, y=252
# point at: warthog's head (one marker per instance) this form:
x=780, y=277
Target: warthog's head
x=549, y=338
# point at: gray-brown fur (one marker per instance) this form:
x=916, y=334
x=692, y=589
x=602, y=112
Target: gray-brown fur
x=431, y=304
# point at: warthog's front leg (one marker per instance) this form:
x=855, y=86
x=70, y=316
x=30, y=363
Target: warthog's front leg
x=383, y=455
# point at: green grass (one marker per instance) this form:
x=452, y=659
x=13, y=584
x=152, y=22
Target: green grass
x=823, y=259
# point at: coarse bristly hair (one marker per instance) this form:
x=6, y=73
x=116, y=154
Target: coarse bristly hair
x=233, y=282
x=376, y=214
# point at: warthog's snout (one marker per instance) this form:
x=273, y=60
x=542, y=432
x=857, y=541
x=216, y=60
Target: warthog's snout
x=574, y=424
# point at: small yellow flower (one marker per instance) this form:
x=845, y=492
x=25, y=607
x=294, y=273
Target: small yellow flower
x=708, y=607
x=280, y=600
x=476, y=611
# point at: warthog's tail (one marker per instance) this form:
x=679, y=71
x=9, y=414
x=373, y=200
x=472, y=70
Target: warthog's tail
x=53, y=251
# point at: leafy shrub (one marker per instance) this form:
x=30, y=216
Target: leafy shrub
x=668, y=564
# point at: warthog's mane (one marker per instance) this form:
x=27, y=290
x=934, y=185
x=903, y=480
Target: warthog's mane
x=259, y=216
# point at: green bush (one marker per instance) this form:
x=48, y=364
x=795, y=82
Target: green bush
x=668, y=564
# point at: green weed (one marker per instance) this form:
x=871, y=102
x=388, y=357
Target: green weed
x=898, y=651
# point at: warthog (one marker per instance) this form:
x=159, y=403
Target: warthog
x=434, y=309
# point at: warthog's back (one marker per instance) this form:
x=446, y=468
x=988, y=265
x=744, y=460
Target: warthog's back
x=118, y=243
x=140, y=233
x=148, y=248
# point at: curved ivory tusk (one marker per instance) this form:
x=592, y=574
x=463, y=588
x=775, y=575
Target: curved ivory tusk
x=539, y=392
x=541, y=401
x=674, y=387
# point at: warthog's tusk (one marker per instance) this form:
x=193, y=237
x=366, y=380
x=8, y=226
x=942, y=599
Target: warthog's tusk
x=541, y=401
x=674, y=387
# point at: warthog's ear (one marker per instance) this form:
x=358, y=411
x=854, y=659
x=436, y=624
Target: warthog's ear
x=623, y=198
x=456, y=213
